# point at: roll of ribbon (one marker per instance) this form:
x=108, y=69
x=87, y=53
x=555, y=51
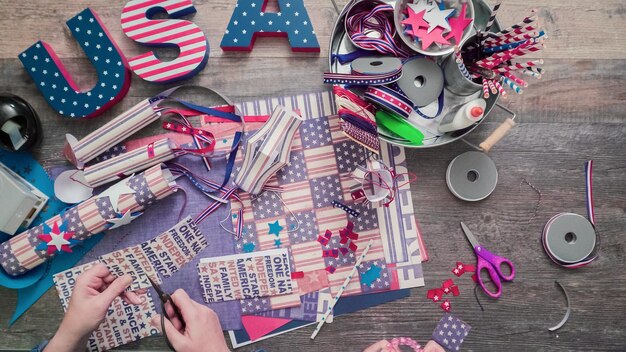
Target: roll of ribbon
x=358, y=79
x=399, y=126
x=472, y=176
x=390, y=100
x=112, y=208
x=569, y=239
x=421, y=81
x=376, y=65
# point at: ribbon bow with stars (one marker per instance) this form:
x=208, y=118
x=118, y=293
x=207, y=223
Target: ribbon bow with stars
x=447, y=287
x=347, y=234
x=462, y=268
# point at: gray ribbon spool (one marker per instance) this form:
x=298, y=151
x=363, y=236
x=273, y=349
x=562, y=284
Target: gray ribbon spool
x=421, y=81
x=375, y=65
x=472, y=176
x=570, y=238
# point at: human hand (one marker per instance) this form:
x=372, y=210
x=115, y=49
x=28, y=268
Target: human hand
x=201, y=329
x=93, y=293
x=386, y=346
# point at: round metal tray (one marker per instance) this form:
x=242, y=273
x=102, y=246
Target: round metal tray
x=340, y=44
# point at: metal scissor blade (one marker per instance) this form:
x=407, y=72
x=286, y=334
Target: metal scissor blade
x=470, y=236
x=156, y=287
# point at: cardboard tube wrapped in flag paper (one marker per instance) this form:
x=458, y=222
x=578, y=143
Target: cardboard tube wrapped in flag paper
x=268, y=150
x=116, y=206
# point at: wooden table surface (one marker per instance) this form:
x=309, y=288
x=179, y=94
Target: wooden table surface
x=575, y=113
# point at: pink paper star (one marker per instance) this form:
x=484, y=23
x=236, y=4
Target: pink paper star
x=458, y=25
x=433, y=37
x=415, y=20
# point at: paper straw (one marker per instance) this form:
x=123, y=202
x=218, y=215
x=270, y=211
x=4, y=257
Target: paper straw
x=485, y=89
x=515, y=79
x=518, y=66
x=129, y=163
x=512, y=85
x=88, y=218
x=460, y=64
x=492, y=87
x=503, y=47
x=530, y=73
x=512, y=39
x=503, y=93
x=526, y=21
x=343, y=288
x=493, y=15
x=500, y=36
x=111, y=134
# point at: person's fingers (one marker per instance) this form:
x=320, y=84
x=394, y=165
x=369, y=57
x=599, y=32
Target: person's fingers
x=176, y=338
x=378, y=346
x=185, y=305
x=109, y=278
x=141, y=291
x=117, y=287
x=98, y=270
x=131, y=297
x=433, y=346
x=169, y=309
x=125, y=299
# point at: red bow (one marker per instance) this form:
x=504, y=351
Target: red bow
x=325, y=239
x=446, y=305
x=462, y=268
x=330, y=253
x=448, y=286
x=347, y=234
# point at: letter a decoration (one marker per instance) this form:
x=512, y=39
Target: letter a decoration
x=139, y=26
x=250, y=20
x=55, y=83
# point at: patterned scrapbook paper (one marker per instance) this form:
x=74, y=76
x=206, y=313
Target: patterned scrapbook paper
x=123, y=323
x=317, y=174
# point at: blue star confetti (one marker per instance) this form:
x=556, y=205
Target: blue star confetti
x=275, y=228
x=55, y=83
x=249, y=21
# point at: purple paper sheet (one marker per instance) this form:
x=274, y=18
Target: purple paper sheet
x=161, y=217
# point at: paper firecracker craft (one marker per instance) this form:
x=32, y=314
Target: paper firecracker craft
x=138, y=25
x=55, y=83
x=268, y=150
x=36, y=245
x=250, y=21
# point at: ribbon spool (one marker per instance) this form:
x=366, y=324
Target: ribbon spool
x=472, y=176
x=569, y=240
x=376, y=65
x=20, y=128
x=421, y=81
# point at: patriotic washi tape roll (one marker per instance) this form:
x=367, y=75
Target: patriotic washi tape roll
x=569, y=239
x=112, y=208
x=368, y=71
x=390, y=100
x=128, y=163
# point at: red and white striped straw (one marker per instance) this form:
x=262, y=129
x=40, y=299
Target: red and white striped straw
x=526, y=21
x=530, y=73
x=512, y=39
x=485, y=89
x=518, y=66
x=515, y=79
x=503, y=93
x=492, y=87
x=516, y=31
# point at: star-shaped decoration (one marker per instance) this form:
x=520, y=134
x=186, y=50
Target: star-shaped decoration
x=458, y=25
x=421, y=5
x=438, y=18
x=115, y=192
x=123, y=219
x=56, y=239
x=415, y=20
x=275, y=228
x=248, y=247
x=433, y=37
x=277, y=243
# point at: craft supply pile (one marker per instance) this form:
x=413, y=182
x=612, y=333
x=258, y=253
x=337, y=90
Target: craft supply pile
x=277, y=213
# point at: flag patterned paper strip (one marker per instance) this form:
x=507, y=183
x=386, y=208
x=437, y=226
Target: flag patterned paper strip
x=451, y=332
x=57, y=86
x=159, y=257
x=318, y=173
x=88, y=218
x=245, y=276
x=249, y=21
x=138, y=25
x=128, y=163
x=123, y=322
x=111, y=134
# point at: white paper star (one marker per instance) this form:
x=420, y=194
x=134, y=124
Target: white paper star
x=125, y=219
x=57, y=240
x=438, y=18
x=422, y=5
x=115, y=192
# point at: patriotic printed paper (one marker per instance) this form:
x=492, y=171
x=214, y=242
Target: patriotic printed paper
x=249, y=21
x=451, y=332
x=56, y=85
x=90, y=217
x=247, y=276
x=188, y=37
x=318, y=173
x=123, y=323
x=159, y=257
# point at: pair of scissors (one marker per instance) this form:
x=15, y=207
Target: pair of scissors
x=490, y=262
x=165, y=297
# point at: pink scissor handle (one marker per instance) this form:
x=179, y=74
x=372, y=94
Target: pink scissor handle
x=482, y=264
x=492, y=263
